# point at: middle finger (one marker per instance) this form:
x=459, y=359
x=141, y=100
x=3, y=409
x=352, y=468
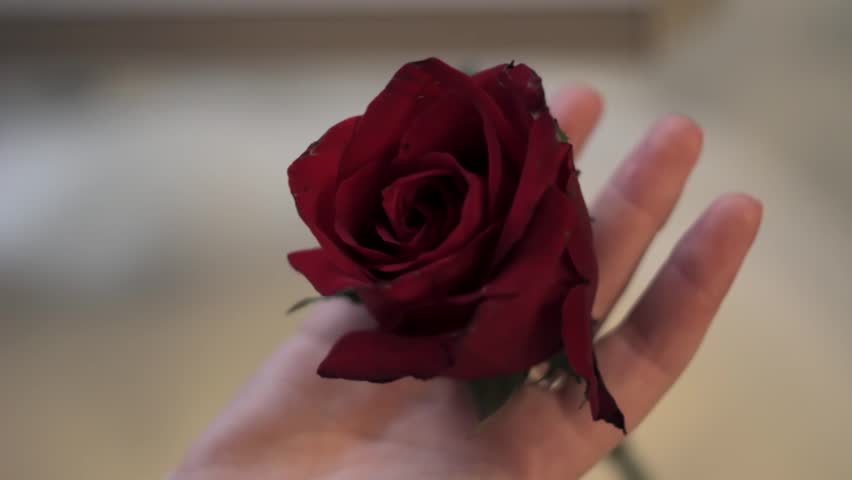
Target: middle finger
x=637, y=201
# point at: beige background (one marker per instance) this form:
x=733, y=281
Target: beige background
x=144, y=217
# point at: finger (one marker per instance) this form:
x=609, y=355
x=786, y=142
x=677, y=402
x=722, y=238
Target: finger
x=330, y=319
x=290, y=372
x=638, y=200
x=286, y=390
x=287, y=399
x=578, y=109
x=644, y=356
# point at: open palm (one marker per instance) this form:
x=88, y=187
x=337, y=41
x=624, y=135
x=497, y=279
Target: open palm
x=289, y=423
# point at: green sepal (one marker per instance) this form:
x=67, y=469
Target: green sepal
x=560, y=362
x=489, y=394
x=561, y=135
x=349, y=294
x=469, y=68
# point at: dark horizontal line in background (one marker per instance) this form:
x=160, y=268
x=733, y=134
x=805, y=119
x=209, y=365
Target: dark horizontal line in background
x=220, y=35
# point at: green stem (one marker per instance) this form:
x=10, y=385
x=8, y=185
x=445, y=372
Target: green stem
x=625, y=461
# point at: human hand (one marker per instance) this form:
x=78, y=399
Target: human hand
x=289, y=423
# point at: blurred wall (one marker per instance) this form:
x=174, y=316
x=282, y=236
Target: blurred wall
x=144, y=214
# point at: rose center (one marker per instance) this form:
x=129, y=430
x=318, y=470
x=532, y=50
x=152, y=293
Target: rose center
x=415, y=219
x=420, y=209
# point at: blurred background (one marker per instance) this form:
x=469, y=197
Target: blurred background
x=145, y=217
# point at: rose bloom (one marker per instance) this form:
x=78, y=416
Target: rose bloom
x=452, y=209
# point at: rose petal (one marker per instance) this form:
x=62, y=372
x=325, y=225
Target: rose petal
x=381, y=357
x=320, y=162
x=457, y=81
x=312, y=179
x=358, y=220
x=567, y=169
x=503, y=141
x=412, y=89
x=388, y=301
x=470, y=220
x=510, y=333
x=541, y=165
x=322, y=273
x=608, y=409
x=579, y=348
x=363, y=168
x=430, y=198
x=581, y=242
x=518, y=91
x=358, y=207
x=497, y=168
x=386, y=234
x=401, y=196
x=518, y=324
x=489, y=76
x=452, y=125
x=439, y=316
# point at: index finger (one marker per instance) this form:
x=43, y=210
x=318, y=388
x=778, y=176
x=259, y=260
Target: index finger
x=577, y=109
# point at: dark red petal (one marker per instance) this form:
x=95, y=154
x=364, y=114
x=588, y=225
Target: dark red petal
x=313, y=180
x=452, y=125
x=387, y=235
x=357, y=222
x=579, y=348
x=518, y=91
x=435, y=206
x=488, y=76
x=319, y=164
x=375, y=142
x=380, y=357
x=358, y=207
x=394, y=202
x=510, y=333
x=400, y=196
x=505, y=143
x=412, y=89
x=567, y=169
x=519, y=323
x=544, y=155
x=471, y=218
x=388, y=301
x=462, y=84
x=497, y=168
x=581, y=245
x=608, y=409
x=378, y=134
x=445, y=315
x=323, y=275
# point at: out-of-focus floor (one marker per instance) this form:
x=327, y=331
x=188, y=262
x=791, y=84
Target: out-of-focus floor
x=145, y=218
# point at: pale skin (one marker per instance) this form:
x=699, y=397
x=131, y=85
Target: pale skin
x=288, y=423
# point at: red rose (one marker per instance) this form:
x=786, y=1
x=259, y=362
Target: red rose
x=452, y=209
